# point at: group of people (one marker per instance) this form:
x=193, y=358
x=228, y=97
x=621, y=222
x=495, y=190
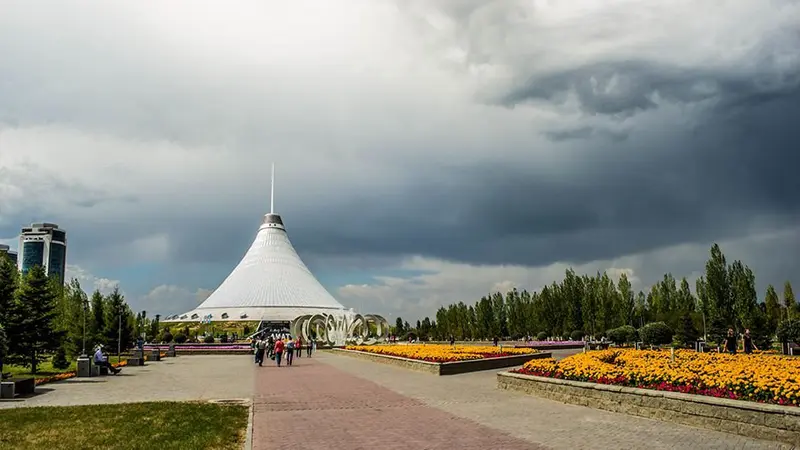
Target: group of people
x=731, y=343
x=274, y=348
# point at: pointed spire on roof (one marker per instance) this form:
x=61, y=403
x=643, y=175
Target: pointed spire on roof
x=272, y=192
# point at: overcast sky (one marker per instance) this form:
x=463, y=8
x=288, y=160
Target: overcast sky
x=427, y=151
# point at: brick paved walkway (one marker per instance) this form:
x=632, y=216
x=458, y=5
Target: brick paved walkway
x=551, y=424
x=313, y=405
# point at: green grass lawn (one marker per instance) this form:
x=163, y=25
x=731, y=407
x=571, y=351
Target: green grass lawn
x=156, y=425
x=45, y=369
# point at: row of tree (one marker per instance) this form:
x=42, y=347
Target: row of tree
x=725, y=296
x=42, y=318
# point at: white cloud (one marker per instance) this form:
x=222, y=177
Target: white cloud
x=90, y=282
x=438, y=282
x=169, y=299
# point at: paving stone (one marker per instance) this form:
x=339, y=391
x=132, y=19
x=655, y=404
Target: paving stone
x=194, y=377
x=474, y=397
x=313, y=405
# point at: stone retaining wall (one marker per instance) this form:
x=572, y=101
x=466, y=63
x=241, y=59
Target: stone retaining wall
x=751, y=419
x=448, y=368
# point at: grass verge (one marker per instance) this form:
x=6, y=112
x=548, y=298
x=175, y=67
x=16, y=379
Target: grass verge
x=159, y=425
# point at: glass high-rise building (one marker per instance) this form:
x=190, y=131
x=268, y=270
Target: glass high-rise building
x=4, y=249
x=45, y=245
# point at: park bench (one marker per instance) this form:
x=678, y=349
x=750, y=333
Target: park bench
x=13, y=387
x=137, y=359
x=155, y=354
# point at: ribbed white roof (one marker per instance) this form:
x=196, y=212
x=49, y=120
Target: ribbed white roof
x=271, y=274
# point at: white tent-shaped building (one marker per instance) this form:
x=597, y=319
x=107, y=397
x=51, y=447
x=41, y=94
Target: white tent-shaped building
x=272, y=284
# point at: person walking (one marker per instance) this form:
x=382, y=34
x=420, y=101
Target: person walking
x=308, y=348
x=279, y=350
x=271, y=347
x=747, y=343
x=261, y=348
x=731, y=342
x=289, y=351
x=298, y=345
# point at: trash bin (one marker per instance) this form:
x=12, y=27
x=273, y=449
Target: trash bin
x=84, y=366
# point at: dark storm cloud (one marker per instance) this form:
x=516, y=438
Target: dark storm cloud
x=652, y=182
x=703, y=184
x=585, y=133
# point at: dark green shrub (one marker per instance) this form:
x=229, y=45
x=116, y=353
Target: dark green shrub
x=166, y=337
x=577, y=335
x=60, y=359
x=622, y=335
x=541, y=336
x=224, y=338
x=208, y=339
x=656, y=333
x=789, y=331
x=686, y=334
x=180, y=338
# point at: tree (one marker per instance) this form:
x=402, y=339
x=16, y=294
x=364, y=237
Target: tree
x=686, y=332
x=686, y=302
x=743, y=291
x=118, y=329
x=622, y=335
x=627, y=303
x=718, y=287
x=789, y=331
x=789, y=301
x=760, y=331
x=32, y=320
x=154, y=328
x=98, y=319
x=3, y=347
x=641, y=308
x=60, y=359
x=773, y=307
x=656, y=333
x=8, y=285
x=74, y=309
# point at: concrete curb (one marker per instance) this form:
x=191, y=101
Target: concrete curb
x=248, y=442
x=447, y=368
x=750, y=419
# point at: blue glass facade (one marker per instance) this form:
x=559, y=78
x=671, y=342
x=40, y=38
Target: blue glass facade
x=59, y=236
x=32, y=255
x=57, y=261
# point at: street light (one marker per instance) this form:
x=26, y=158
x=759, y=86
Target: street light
x=119, y=337
x=85, y=304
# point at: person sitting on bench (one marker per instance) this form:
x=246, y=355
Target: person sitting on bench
x=101, y=362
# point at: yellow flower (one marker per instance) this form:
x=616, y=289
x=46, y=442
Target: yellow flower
x=440, y=353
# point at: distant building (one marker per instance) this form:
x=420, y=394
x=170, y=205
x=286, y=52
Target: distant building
x=4, y=249
x=45, y=245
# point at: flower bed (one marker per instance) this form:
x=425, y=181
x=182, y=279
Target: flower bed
x=209, y=347
x=759, y=377
x=441, y=353
x=66, y=375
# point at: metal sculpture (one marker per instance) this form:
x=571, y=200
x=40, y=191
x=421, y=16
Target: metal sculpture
x=344, y=328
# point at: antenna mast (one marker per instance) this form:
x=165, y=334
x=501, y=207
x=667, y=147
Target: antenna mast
x=272, y=192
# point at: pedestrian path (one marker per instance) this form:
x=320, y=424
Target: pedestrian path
x=334, y=401
x=185, y=378
x=313, y=405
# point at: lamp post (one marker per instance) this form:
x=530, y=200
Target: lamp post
x=119, y=338
x=85, y=303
